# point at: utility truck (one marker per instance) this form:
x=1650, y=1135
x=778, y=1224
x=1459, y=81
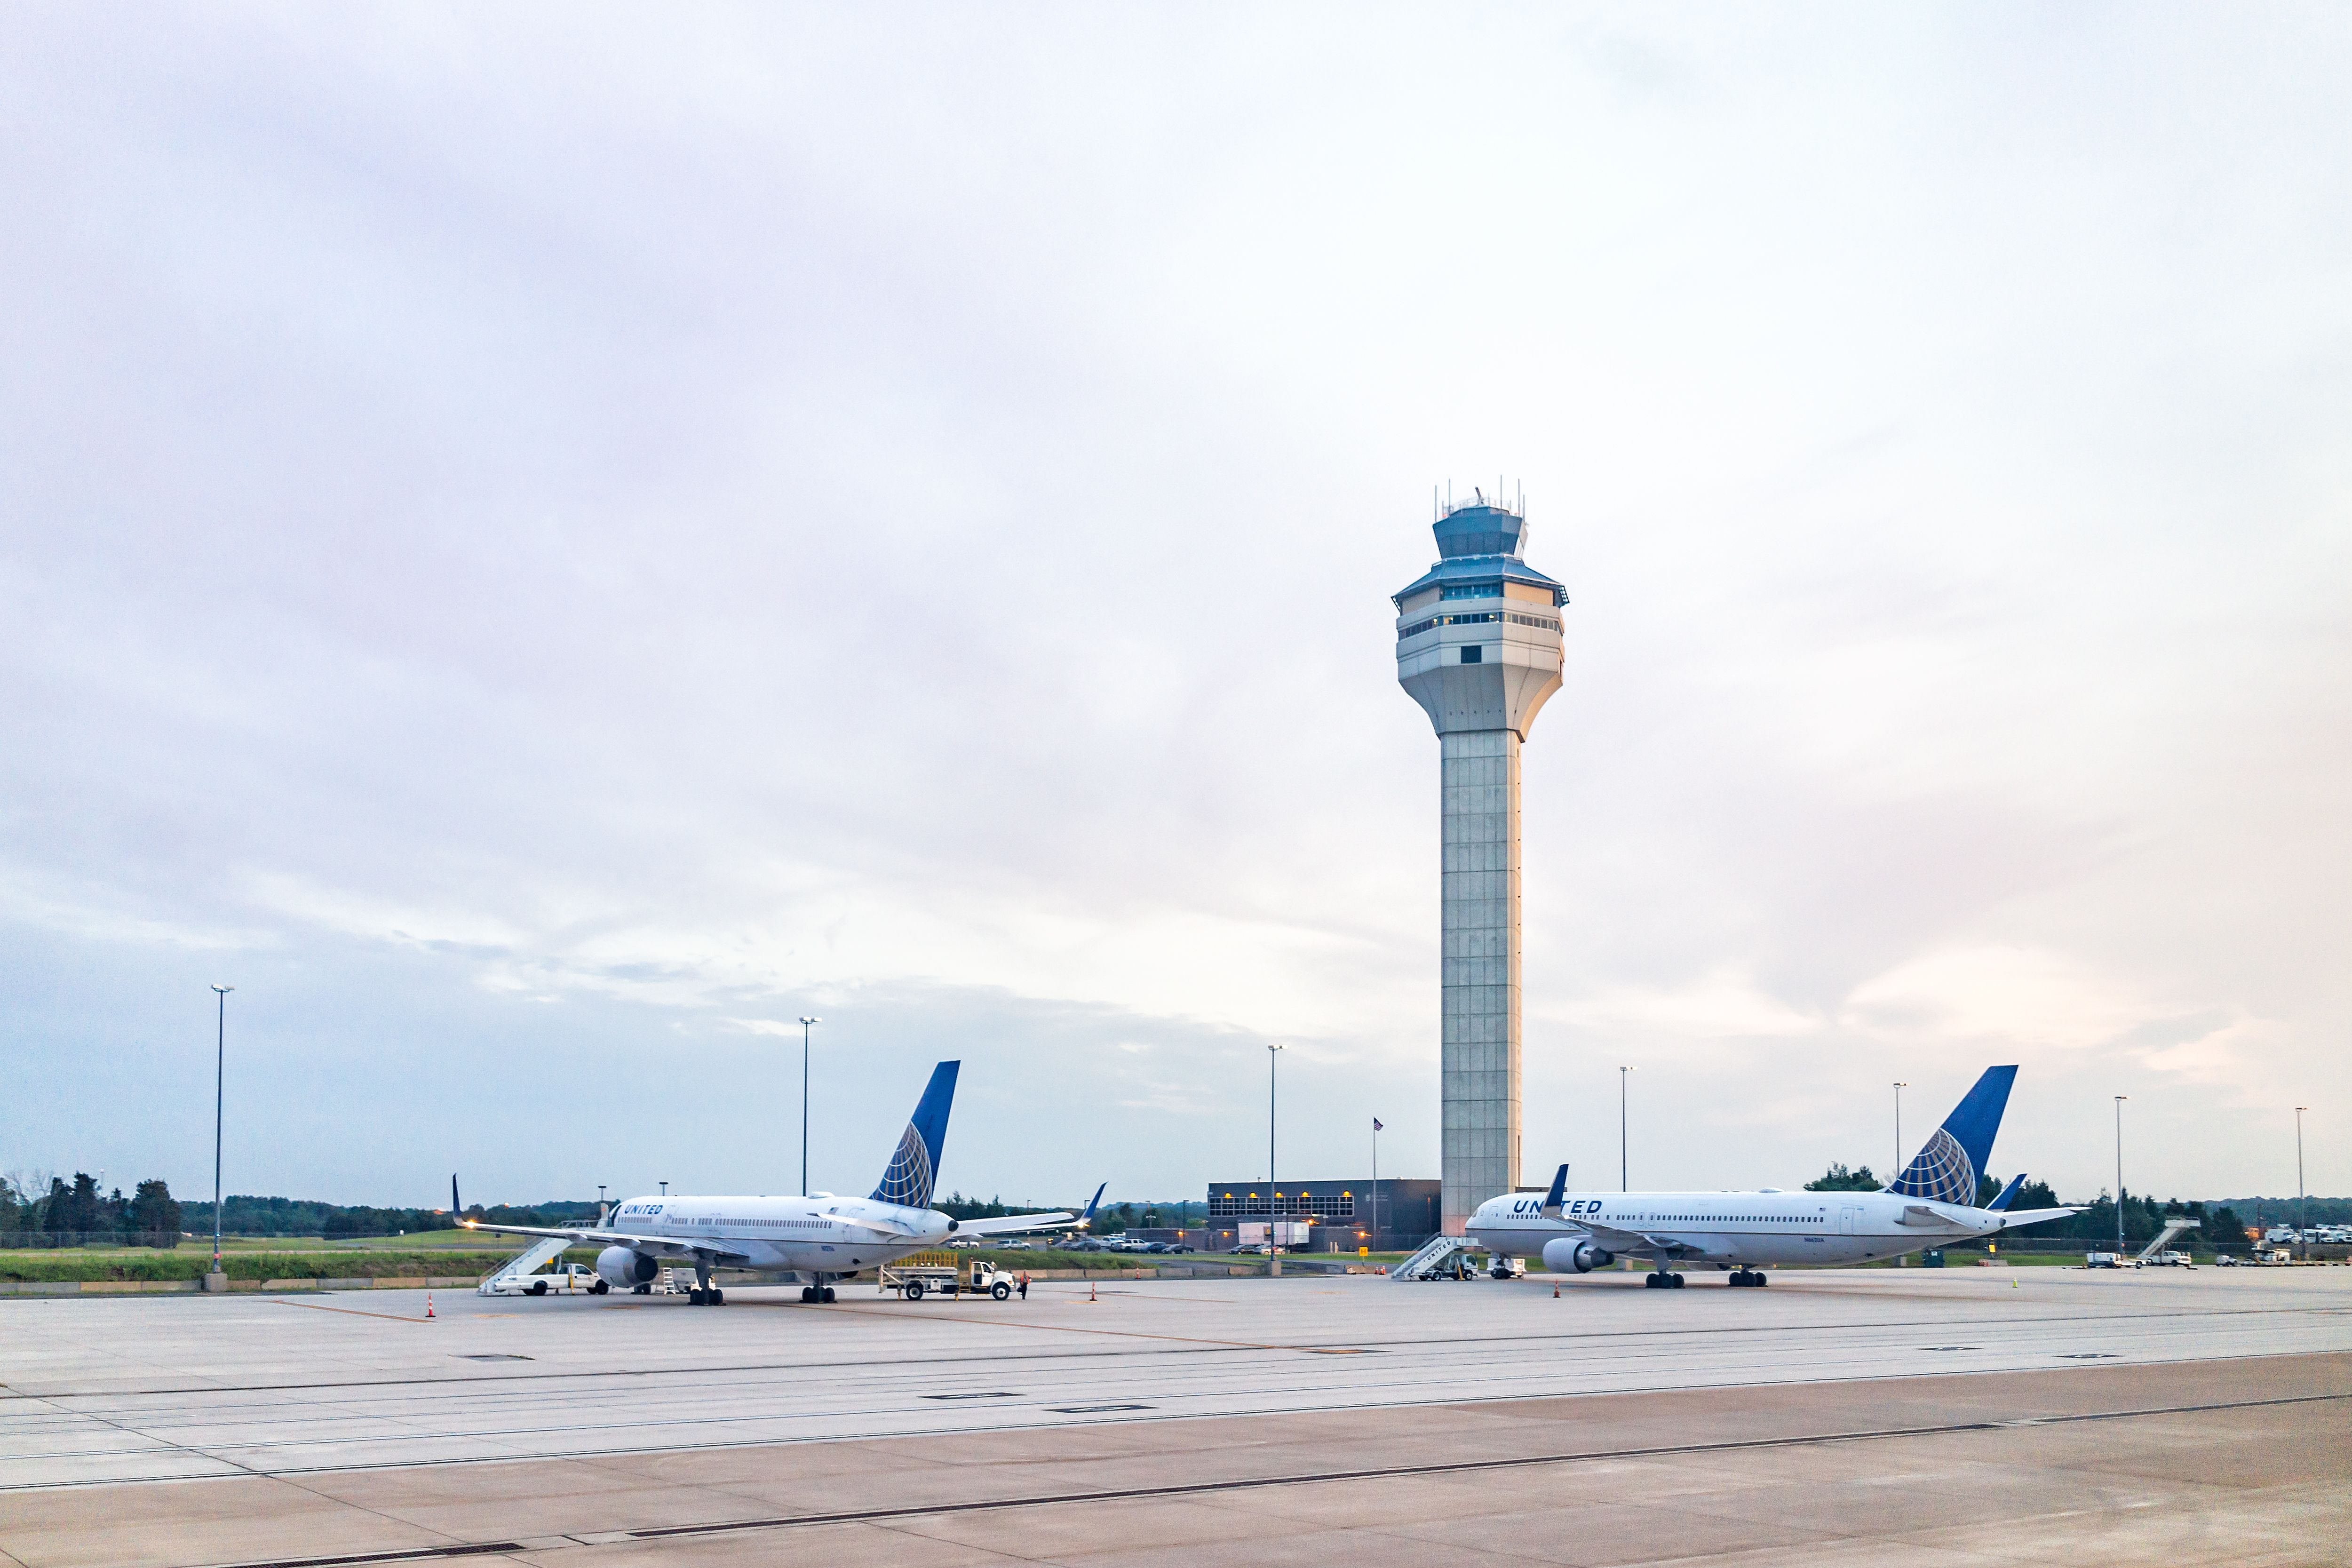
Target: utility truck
x=979, y=1276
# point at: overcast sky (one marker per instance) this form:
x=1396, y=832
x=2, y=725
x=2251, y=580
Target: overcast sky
x=543, y=544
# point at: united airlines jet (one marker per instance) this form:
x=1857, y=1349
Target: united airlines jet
x=811, y=1240
x=1931, y=1204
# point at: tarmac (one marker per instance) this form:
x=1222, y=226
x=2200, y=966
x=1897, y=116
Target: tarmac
x=1954, y=1415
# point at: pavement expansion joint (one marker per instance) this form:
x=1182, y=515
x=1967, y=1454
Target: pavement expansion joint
x=1305, y=1478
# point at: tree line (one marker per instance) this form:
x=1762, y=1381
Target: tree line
x=79, y=1208
x=51, y=1208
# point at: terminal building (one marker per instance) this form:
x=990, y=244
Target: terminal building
x=1388, y=1216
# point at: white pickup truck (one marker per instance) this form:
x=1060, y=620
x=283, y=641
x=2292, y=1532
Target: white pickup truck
x=564, y=1279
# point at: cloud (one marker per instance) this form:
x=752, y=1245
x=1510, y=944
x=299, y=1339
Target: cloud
x=547, y=553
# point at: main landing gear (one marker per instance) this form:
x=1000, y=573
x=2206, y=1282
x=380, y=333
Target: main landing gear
x=1664, y=1279
x=816, y=1295
x=1750, y=1276
x=706, y=1294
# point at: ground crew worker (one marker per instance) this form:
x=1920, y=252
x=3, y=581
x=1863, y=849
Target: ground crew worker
x=1025, y=1284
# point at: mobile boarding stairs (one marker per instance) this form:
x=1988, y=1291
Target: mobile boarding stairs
x=1449, y=1257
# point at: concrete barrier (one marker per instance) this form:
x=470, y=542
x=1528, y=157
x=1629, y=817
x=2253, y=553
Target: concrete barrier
x=196, y=1286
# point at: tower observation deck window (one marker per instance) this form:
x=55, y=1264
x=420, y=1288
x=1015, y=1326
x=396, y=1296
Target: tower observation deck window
x=1481, y=617
x=1488, y=590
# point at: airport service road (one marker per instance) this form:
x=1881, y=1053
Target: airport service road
x=127, y=1389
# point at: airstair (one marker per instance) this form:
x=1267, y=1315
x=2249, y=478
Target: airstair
x=1435, y=1255
x=545, y=1250
x=2173, y=1226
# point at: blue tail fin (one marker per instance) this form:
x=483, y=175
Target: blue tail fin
x=916, y=1165
x=1944, y=1171
x=2008, y=1193
x=1088, y=1218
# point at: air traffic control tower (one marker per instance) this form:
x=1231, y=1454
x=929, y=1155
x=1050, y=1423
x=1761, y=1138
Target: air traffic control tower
x=1478, y=646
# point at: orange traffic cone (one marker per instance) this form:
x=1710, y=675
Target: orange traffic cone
x=429, y=1304
x=1090, y=1289
x=1555, y=1292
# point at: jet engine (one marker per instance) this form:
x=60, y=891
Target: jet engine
x=625, y=1268
x=1568, y=1255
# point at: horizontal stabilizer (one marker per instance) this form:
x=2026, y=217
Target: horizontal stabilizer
x=1015, y=1224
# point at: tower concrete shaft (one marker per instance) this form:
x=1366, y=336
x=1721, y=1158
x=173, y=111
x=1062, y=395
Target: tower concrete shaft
x=1479, y=647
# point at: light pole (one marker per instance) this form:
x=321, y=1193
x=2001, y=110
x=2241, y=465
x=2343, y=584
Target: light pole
x=1376, y=1181
x=1622, y=1185
x=2301, y=1203
x=664, y=1187
x=1270, y=1060
x=220, y=1081
x=2119, y=1174
x=805, y=1086
x=1274, y=1199
x=1896, y=1175
x=600, y=1202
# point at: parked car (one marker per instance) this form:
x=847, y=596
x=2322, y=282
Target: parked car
x=2170, y=1258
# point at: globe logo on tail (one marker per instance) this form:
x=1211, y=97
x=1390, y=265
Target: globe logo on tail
x=908, y=1182
x=1941, y=1173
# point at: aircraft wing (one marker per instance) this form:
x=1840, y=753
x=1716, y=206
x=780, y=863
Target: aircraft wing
x=2035, y=1216
x=590, y=1236
x=1617, y=1240
x=1013, y=1223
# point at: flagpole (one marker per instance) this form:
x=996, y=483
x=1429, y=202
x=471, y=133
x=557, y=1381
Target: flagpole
x=1376, y=1181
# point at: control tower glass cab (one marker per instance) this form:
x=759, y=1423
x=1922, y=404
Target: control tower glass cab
x=1479, y=647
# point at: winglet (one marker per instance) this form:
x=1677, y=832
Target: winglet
x=457, y=1209
x=1552, y=1199
x=1088, y=1218
x=2008, y=1193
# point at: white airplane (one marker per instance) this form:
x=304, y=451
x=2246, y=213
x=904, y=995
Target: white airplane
x=1931, y=1204
x=814, y=1239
